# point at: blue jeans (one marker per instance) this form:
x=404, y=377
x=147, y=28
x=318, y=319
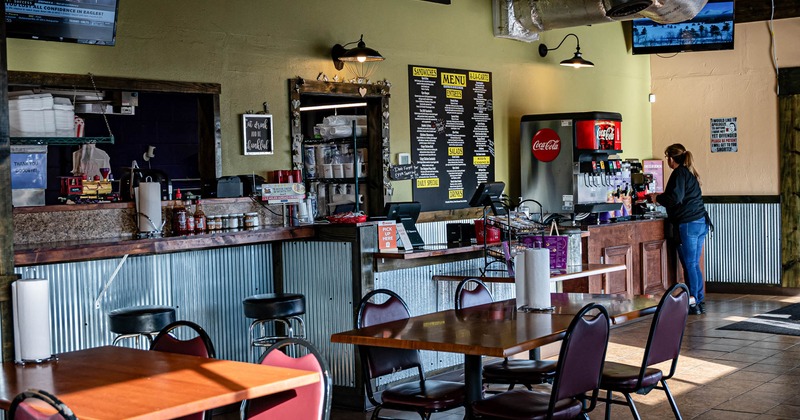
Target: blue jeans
x=693, y=234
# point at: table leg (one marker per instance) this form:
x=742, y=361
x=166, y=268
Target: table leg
x=473, y=382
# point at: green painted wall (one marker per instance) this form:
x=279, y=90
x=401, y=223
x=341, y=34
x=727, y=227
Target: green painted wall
x=252, y=47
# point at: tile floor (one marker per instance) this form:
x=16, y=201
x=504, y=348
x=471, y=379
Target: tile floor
x=721, y=374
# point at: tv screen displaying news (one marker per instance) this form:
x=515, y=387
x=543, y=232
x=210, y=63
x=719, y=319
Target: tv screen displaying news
x=82, y=21
x=711, y=29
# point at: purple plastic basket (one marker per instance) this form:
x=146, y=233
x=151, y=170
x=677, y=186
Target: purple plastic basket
x=556, y=244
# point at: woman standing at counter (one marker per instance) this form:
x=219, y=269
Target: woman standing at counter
x=687, y=215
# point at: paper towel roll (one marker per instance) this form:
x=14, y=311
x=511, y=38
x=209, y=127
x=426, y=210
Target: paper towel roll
x=519, y=280
x=31, y=306
x=533, y=278
x=149, y=207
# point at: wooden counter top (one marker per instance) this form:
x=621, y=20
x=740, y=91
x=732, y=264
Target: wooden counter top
x=57, y=252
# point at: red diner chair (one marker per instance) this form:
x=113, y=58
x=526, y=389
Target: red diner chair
x=580, y=365
x=307, y=402
x=199, y=345
x=663, y=344
x=509, y=371
x=422, y=395
x=22, y=409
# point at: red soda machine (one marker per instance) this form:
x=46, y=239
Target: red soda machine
x=568, y=163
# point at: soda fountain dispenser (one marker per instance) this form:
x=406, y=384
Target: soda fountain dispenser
x=567, y=165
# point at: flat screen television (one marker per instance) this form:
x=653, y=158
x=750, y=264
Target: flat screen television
x=711, y=29
x=83, y=21
x=488, y=194
x=406, y=213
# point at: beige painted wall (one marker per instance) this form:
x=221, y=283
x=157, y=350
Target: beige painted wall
x=252, y=47
x=692, y=88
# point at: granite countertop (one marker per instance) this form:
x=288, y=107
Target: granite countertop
x=70, y=251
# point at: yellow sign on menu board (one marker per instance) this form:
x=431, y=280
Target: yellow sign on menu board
x=428, y=183
x=481, y=160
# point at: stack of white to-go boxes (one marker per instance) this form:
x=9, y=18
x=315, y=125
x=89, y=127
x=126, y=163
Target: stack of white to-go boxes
x=41, y=114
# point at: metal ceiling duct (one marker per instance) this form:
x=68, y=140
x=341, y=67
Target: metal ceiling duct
x=523, y=20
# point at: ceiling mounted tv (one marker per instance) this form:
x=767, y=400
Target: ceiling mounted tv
x=83, y=21
x=711, y=29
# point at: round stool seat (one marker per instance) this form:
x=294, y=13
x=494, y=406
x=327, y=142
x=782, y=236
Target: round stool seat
x=140, y=319
x=274, y=305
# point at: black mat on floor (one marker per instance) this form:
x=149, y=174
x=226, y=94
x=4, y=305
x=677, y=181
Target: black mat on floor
x=785, y=321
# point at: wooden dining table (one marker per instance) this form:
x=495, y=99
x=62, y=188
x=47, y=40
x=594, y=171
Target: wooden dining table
x=497, y=329
x=124, y=383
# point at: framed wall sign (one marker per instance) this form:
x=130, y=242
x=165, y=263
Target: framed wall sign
x=257, y=134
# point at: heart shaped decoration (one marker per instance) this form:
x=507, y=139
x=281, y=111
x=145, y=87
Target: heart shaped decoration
x=295, y=104
x=362, y=91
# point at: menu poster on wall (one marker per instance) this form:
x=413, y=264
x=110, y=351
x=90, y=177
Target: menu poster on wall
x=452, y=134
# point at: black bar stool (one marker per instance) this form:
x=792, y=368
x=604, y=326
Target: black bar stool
x=139, y=321
x=283, y=308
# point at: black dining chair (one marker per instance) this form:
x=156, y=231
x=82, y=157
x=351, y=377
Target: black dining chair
x=199, y=345
x=423, y=396
x=306, y=402
x=663, y=344
x=580, y=364
x=21, y=409
x=508, y=371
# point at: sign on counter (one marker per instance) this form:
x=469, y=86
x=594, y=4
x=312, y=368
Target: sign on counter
x=452, y=134
x=257, y=134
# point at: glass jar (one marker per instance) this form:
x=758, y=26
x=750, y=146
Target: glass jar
x=251, y=220
x=211, y=223
x=226, y=221
x=240, y=219
x=574, y=248
x=233, y=221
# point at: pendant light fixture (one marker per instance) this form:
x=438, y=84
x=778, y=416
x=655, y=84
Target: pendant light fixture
x=577, y=60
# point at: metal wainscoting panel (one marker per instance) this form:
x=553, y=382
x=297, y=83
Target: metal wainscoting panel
x=326, y=281
x=745, y=246
x=216, y=280
x=75, y=322
x=208, y=288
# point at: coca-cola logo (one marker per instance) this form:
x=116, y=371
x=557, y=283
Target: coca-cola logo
x=605, y=133
x=546, y=145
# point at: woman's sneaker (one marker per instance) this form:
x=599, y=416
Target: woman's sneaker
x=695, y=310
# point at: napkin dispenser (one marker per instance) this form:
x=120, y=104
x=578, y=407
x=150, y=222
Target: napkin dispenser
x=229, y=186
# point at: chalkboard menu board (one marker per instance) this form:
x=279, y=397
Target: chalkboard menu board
x=452, y=134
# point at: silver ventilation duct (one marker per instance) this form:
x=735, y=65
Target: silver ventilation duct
x=523, y=20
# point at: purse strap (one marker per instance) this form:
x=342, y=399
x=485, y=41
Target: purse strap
x=553, y=227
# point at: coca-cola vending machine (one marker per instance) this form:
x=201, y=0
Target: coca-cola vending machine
x=568, y=161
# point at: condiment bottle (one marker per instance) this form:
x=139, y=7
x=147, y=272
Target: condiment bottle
x=189, y=215
x=199, y=218
x=178, y=215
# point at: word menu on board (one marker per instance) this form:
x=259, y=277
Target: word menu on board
x=452, y=134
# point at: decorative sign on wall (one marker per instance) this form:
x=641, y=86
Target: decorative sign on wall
x=257, y=134
x=724, y=135
x=452, y=134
